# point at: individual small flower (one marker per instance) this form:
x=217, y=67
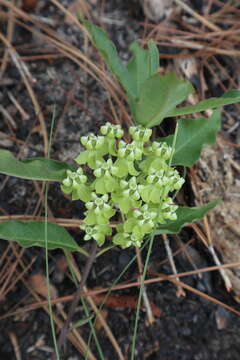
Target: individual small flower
x=111, y=131
x=104, y=168
x=140, y=133
x=175, y=179
x=146, y=218
x=96, y=148
x=75, y=183
x=98, y=210
x=130, y=188
x=97, y=232
x=126, y=240
x=130, y=151
x=167, y=211
x=105, y=181
x=128, y=196
x=92, y=142
x=159, y=149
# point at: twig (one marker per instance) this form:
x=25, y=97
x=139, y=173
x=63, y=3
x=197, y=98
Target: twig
x=27, y=79
x=77, y=296
x=15, y=345
x=10, y=31
x=211, y=249
x=223, y=273
x=180, y=291
x=202, y=19
x=123, y=286
x=99, y=315
x=8, y=117
x=145, y=297
x=23, y=113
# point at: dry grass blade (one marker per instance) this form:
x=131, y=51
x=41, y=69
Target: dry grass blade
x=180, y=291
x=146, y=301
x=202, y=19
x=75, y=336
x=205, y=296
x=10, y=30
x=23, y=113
x=162, y=277
x=69, y=223
x=74, y=54
x=99, y=316
x=10, y=272
x=26, y=77
x=15, y=345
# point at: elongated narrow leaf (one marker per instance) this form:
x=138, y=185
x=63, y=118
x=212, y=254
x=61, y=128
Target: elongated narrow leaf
x=153, y=57
x=143, y=64
x=34, y=169
x=185, y=215
x=230, y=97
x=159, y=96
x=109, y=53
x=192, y=135
x=32, y=233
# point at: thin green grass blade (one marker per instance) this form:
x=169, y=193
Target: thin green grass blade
x=142, y=278
x=85, y=307
x=115, y=283
x=46, y=253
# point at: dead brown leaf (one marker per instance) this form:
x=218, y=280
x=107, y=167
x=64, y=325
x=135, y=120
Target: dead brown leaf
x=39, y=284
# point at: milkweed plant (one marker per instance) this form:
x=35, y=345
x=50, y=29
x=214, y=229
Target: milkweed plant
x=127, y=180
x=133, y=181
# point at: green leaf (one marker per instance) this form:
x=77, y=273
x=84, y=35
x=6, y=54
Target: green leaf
x=109, y=53
x=32, y=233
x=159, y=96
x=137, y=231
x=121, y=167
x=124, y=204
x=185, y=215
x=230, y=97
x=83, y=193
x=143, y=64
x=82, y=158
x=100, y=186
x=33, y=169
x=192, y=135
x=129, y=224
x=131, y=169
x=90, y=218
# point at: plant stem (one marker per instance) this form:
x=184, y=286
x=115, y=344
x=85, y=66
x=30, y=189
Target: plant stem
x=142, y=278
x=77, y=296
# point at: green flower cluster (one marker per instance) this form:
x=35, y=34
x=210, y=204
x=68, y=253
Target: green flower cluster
x=132, y=179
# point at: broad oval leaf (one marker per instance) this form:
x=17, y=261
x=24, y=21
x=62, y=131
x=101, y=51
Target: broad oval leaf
x=230, y=97
x=192, y=135
x=159, y=95
x=33, y=168
x=32, y=233
x=185, y=215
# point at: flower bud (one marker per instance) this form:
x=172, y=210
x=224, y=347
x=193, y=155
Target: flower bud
x=111, y=131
